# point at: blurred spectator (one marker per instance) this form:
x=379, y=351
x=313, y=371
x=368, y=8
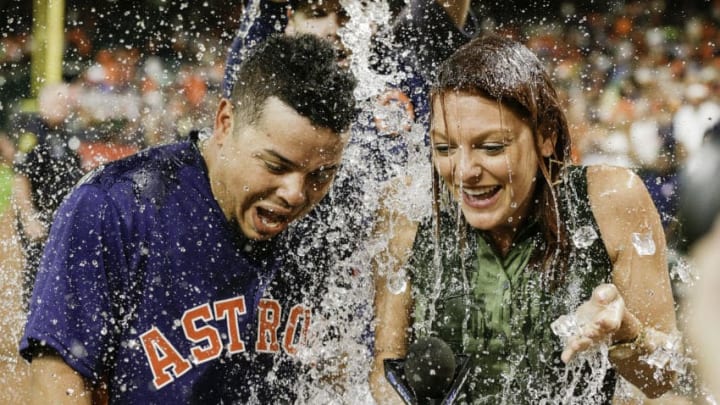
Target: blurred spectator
x=14, y=73
x=49, y=162
x=49, y=167
x=16, y=216
x=698, y=113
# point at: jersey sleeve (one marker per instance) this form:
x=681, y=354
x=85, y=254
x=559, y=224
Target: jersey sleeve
x=426, y=30
x=70, y=309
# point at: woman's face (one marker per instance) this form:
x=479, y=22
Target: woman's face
x=486, y=155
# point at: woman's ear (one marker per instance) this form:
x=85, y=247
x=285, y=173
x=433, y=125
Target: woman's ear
x=547, y=145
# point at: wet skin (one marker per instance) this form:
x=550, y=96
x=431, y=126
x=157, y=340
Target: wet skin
x=269, y=173
x=486, y=155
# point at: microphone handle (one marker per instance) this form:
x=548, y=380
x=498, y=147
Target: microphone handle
x=394, y=375
x=431, y=401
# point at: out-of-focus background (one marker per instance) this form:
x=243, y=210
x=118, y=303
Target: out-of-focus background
x=634, y=73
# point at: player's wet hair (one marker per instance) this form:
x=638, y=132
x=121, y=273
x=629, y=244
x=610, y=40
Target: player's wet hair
x=302, y=71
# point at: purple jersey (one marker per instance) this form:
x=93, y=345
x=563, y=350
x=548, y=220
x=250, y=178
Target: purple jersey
x=145, y=283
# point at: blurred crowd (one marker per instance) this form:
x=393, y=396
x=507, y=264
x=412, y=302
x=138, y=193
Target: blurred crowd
x=639, y=86
x=641, y=91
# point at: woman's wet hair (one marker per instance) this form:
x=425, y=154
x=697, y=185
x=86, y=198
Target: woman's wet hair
x=302, y=71
x=504, y=70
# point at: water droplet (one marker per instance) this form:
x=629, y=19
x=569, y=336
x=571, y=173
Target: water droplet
x=681, y=270
x=396, y=283
x=644, y=243
x=584, y=237
x=77, y=349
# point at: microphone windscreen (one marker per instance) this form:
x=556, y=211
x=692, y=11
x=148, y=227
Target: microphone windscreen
x=430, y=367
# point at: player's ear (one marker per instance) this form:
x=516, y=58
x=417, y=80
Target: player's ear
x=224, y=120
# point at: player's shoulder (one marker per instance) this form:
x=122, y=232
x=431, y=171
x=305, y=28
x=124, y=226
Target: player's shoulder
x=159, y=161
x=146, y=175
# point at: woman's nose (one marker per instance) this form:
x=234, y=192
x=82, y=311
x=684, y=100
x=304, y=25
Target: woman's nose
x=468, y=165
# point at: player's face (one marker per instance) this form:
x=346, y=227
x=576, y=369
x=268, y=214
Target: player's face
x=272, y=172
x=486, y=155
x=323, y=20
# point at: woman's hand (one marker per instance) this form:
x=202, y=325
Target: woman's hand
x=603, y=318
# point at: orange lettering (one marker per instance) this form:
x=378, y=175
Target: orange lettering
x=289, y=342
x=206, y=333
x=230, y=309
x=268, y=322
x=164, y=359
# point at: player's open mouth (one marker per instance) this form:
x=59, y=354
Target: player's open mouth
x=480, y=197
x=271, y=222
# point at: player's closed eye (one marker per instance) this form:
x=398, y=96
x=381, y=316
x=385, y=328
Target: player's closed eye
x=274, y=167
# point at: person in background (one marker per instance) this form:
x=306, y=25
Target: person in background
x=699, y=210
x=521, y=246
x=16, y=213
x=156, y=265
x=48, y=166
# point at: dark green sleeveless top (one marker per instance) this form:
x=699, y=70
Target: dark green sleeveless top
x=496, y=309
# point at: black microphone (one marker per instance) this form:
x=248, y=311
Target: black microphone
x=429, y=368
x=430, y=374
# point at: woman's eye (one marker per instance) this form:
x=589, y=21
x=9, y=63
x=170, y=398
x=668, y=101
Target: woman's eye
x=442, y=148
x=493, y=148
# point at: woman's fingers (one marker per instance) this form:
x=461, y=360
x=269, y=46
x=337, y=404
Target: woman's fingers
x=574, y=346
x=603, y=315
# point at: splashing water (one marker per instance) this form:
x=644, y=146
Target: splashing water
x=584, y=237
x=339, y=345
x=357, y=35
x=566, y=326
x=668, y=356
x=682, y=270
x=397, y=283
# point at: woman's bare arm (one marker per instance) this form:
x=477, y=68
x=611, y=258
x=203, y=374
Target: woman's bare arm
x=638, y=306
